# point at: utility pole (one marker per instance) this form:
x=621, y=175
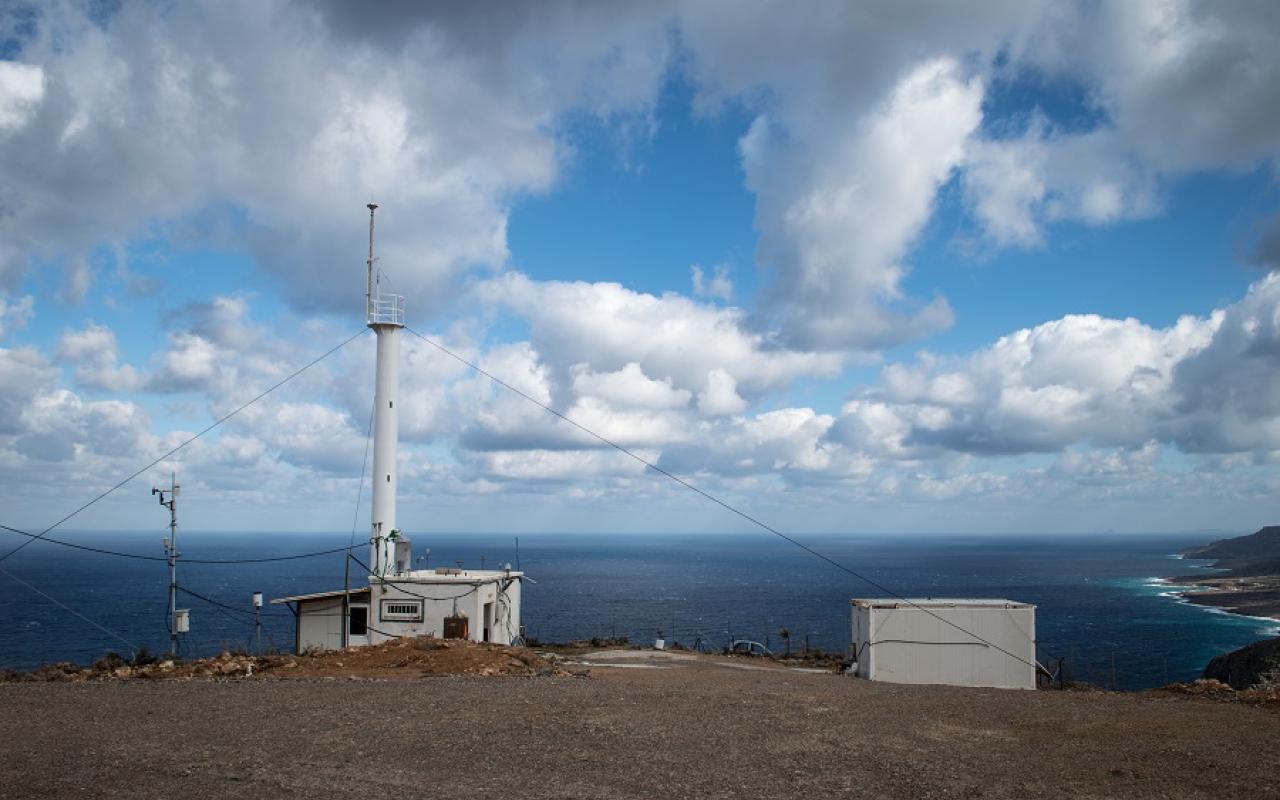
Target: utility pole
x=171, y=550
x=257, y=622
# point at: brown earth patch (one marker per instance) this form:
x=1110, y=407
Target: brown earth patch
x=399, y=658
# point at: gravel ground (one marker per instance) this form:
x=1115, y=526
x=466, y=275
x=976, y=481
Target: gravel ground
x=698, y=730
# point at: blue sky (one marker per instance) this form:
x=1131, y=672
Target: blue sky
x=1005, y=271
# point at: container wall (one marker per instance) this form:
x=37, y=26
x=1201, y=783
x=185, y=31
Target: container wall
x=911, y=645
x=862, y=652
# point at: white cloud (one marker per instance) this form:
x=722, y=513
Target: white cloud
x=1206, y=384
x=720, y=395
x=276, y=114
x=628, y=386
x=150, y=125
x=1178, y=87
x=718, y=286
x=24, y=373
x=15, y=314
x=94, y=352
x=283, y=113
x=669, y=337
x=837, y=214
x=21, y=89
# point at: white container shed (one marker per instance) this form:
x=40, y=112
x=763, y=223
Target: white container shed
x=953, y=642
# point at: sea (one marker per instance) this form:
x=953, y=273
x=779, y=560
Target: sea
x=1101, y=606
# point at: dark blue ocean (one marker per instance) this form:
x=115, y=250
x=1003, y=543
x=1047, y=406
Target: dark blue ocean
x=1098, y=607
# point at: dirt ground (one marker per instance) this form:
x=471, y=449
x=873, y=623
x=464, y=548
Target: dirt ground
x=640, y=726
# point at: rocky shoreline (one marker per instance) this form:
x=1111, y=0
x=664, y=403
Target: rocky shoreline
x=1246, y=578
x=1254, y=596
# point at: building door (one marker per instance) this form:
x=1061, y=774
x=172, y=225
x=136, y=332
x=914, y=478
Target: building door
x=358, y=625
x=488, y=622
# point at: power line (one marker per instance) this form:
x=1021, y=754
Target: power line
x=71, y=610
x=85, y=547
x=213, y=602
x=474, y=587
x=355, y=517
x=211, y=426
x=364, y=463
x=264, y=560
x=691, y=487
x=140, y=557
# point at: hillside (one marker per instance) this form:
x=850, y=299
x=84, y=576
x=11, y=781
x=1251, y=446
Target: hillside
x=1242, y=552
x=1251, y=666
x=1249, y=578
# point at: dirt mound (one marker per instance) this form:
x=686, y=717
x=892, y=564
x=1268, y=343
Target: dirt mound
x=1208, y=687
x=399, y=658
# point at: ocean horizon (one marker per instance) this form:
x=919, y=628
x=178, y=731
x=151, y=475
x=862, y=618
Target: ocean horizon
x=1100, y=604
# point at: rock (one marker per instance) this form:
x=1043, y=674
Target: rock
x=1255, y=665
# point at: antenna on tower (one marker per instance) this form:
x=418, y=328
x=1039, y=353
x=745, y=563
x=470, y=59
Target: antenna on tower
x=368, y=295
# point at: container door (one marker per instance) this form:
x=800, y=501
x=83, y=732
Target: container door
x=488, y=622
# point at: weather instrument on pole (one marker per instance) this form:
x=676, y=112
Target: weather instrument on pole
x=179, y=619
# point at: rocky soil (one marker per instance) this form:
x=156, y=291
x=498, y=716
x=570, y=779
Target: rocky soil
x=400, y=658
x=688, y=727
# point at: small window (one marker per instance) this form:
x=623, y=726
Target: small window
x=391, y=404
x=358, y=623
x=401, y=611
x=388, y=477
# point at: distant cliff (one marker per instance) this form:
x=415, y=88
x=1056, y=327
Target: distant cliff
x=1255, y=554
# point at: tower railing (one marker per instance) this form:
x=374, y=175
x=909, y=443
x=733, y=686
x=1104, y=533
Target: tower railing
x=386, y=309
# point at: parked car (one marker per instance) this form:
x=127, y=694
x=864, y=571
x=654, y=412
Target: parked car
x=746, y=647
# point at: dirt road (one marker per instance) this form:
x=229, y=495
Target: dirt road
x=643, y=729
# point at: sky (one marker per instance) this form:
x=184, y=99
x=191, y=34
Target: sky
x=884, y=267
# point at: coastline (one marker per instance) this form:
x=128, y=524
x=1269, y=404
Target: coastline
x=1255, y=596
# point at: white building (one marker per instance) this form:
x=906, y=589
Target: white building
x=956, y=642
x=480, y=605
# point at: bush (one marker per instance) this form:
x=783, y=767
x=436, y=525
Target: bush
x=144, y=657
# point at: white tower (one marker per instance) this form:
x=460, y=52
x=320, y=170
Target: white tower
x=385, y=314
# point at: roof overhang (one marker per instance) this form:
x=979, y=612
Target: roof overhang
x=300, y=598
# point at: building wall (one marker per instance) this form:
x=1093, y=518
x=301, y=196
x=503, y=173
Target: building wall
x=909, y=645
x=439, y=601
x=320, y=621
x=320, y=624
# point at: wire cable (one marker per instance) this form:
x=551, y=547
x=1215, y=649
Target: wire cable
x=250, y=614
x=475, y=587
x=355, y=517
x=140, y=557
x=211, y=426
x=71, y=610
x=691, y=487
